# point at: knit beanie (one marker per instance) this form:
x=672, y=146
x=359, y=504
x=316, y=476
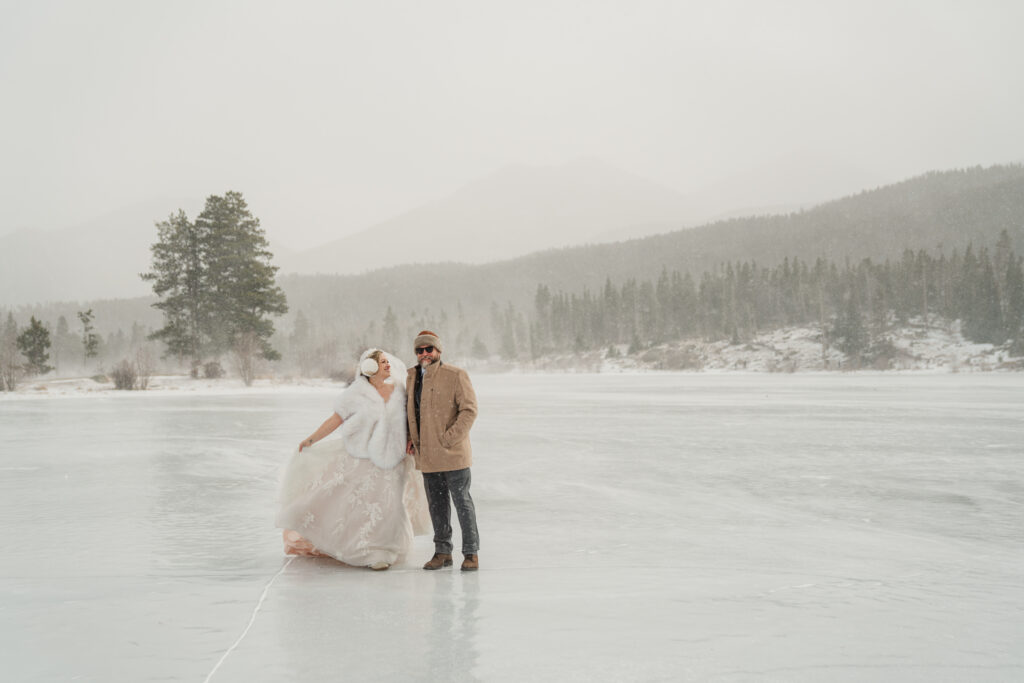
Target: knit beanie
x=427, y=338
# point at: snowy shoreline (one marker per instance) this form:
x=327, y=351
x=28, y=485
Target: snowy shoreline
x=796, y=350
x=167, y=385
x=914, y=348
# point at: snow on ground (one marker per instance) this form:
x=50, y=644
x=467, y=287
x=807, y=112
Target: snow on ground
x=163, y=385
x=917, y=347
x=645, y=526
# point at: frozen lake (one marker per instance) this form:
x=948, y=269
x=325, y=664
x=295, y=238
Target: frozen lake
x=633, y=527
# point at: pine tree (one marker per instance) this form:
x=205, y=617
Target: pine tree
x=216, y=285
x=391, y=336
x=90, y=340
x=849, y=332
x=983, y=320
x=301, y=344
x=34, y=343
x=1014, y=318
x=10, y=361
x=479, y=349
x=540, y=335
x=59, y=336
x=510, y=341
x=178, y=279
x=240, y=288
x=965, y=289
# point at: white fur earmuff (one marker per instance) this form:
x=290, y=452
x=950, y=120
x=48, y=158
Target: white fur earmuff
x=368, y=367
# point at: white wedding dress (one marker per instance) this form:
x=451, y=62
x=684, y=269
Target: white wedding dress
x=358, y=498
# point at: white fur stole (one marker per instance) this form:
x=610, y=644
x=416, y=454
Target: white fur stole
x=372, y=428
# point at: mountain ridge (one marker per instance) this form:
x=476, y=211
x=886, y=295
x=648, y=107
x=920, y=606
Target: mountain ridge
x=514, y=210
x=947, y=209
x=517, y=209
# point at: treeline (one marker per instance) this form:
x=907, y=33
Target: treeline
x=855, y=304
x=39, y=346
x=215, y=287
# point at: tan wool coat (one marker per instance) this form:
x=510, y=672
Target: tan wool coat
x=447, y=411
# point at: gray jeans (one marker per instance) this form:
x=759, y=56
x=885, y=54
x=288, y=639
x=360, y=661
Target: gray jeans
x=455, y=484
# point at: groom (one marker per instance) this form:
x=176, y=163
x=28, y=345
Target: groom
x=441, y=409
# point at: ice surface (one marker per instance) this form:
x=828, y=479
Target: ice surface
x=633, y=527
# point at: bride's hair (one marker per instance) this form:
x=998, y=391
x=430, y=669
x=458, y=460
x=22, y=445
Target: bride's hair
x=370, y=365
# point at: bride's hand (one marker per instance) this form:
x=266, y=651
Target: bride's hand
x=305, y=444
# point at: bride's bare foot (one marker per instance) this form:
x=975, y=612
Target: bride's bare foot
x=295, y=544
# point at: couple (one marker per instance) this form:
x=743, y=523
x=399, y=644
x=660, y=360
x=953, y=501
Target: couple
x=359, y=499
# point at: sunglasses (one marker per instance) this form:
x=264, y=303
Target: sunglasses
x=424, y=349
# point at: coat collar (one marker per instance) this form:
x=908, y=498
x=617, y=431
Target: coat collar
x=431, y=369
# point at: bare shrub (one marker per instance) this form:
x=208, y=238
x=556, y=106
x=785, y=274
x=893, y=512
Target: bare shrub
x=124, y=375
x=213, y=370
x=10, y=372
x=246, y=352
x=145, y=361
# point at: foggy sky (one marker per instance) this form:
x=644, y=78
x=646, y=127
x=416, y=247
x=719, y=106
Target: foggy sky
x=330, y=116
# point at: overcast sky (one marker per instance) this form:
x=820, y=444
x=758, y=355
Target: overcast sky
x=332, y=115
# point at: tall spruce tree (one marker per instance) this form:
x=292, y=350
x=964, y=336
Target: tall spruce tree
x=216, y=283
x=178, y=279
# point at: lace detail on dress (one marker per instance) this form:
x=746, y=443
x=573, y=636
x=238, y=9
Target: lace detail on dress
x=348, y=507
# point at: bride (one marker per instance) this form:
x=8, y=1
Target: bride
x=358, y=499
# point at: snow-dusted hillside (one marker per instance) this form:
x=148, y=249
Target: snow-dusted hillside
x=937, y=347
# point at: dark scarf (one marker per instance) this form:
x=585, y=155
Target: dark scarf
x=418, y=390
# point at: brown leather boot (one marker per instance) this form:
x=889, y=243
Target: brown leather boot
x=439, y=560
x=471, y=563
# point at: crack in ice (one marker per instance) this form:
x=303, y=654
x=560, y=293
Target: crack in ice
x=252, y=620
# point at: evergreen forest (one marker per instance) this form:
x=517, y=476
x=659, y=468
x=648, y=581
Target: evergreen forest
x=937, y=250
